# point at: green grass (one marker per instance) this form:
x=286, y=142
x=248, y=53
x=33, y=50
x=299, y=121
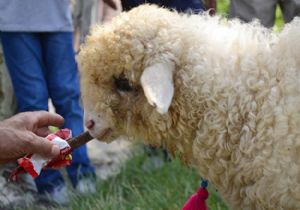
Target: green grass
x=222, y=6
x=166, y=188
x=279, y=20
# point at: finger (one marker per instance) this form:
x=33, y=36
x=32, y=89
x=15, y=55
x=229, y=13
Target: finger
x=42, y=146
x=43, y=118
x=43, y=132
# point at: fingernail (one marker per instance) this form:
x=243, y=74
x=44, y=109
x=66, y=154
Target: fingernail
x=55, y=150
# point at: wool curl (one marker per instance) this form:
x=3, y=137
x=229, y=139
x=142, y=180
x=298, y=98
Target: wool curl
x=235, y=114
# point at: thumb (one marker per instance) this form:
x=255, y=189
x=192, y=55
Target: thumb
x=43, y=147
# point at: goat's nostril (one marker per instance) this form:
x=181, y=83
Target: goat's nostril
x=90, y=124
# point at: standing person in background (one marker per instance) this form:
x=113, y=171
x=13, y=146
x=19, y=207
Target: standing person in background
x=38, y=48
x=81, y=15
x=7, y=97
x=211, y=6
x=247, y=10
x=104, y=11
x=11, y=193
x=87, y=12
x=179, y=5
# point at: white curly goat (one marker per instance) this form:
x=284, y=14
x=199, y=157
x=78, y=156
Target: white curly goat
x=226, y=95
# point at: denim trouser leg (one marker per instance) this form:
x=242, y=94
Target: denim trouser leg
x=23, y=54
x=63, y=88
x=42, y=65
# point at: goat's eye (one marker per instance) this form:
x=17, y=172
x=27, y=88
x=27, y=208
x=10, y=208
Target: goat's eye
x=122, y=83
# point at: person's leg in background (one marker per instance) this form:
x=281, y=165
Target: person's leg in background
x=129, y=4
x=107, y=13
x=23, y=54
x=81, y=16
x=247, y=10
x=85, y=20
x=8, y=106
x=63, y=86
x=20, y=193
x=290, y=9
x=76, y=18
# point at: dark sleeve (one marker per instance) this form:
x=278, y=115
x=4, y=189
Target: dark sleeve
x=129, y=4
x=179, y=5
x=184, y=5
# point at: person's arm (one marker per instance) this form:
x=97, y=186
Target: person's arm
x=211, y=6
x=111, y=3
x=23, y=134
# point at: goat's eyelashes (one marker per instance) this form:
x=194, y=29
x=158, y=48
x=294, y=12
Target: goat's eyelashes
x=122, y=84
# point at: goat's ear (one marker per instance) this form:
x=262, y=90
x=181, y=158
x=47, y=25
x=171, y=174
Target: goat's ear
x=157, y=83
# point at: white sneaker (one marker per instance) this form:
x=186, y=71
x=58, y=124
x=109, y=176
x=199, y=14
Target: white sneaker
x=86, y=186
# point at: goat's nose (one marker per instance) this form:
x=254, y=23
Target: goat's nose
x=90, y=124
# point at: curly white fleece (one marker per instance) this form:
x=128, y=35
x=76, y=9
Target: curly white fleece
x=235, y=114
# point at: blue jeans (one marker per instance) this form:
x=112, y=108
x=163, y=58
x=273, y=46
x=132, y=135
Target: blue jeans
x=42, y=66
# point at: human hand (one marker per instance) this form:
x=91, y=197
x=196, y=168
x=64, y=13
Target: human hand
x=23, y=134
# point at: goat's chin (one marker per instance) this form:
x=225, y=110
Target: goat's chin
x=105, y=135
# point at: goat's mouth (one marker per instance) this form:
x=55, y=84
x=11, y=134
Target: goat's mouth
x=101, y=135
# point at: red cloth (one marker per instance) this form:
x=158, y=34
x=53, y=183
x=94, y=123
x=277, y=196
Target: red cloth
x=197, y=200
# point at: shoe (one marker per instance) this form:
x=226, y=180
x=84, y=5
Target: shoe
x=86, y=186
x=59, y=196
